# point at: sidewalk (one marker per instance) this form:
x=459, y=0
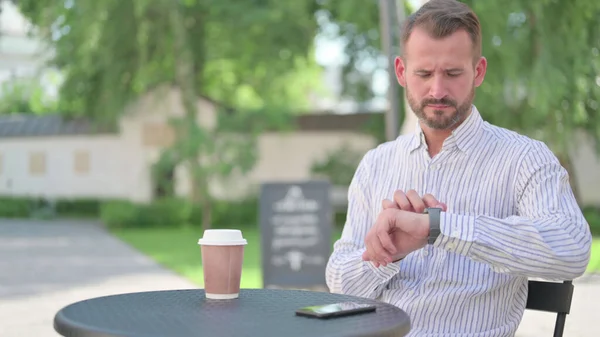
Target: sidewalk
x=45, y=266
x=48, y=265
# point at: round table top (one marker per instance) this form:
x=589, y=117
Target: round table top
x=257, y=312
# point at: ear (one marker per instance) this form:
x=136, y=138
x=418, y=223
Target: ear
x=400, y=69
x=480, y=69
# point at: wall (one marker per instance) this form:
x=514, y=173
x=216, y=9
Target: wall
x=108, y=175
x=120, y=165
x=145, y=129
x=288, y=156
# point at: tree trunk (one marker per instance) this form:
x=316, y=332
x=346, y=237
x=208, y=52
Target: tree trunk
x=185, y=78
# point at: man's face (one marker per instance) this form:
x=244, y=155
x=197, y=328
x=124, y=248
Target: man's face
x=440, y=77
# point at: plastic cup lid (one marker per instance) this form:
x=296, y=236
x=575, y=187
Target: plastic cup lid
x=222, y=237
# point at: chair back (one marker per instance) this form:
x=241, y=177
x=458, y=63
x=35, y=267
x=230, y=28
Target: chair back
x=551, y=297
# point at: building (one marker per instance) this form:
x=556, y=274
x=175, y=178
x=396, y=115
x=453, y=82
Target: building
x=50, y=157
x=54, y=158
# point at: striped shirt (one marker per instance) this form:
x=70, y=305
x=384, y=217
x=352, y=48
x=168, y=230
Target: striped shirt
x=511, y=216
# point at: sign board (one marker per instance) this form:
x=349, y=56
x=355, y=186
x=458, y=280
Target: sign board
x=296, y=221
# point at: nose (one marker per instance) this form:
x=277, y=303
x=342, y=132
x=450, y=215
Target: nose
x=438, y=88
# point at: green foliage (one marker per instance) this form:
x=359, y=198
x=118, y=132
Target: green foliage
x=167, y=212
x=592, y=215
x=89, y=208
x=229, y=148
x=25, y=97
x=375, y=127
x=25, y=207
x=176, y=212
x=339, y=166
x=119, y=214
x=15, y=207
x=543, y=67
x=245, y=54
x=232, y=214
x=357, y=22
x=360, y=32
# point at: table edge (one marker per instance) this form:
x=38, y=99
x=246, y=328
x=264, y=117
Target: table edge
x=66, y=327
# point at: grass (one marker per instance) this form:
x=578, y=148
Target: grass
x=594, y=265
x=177, y=249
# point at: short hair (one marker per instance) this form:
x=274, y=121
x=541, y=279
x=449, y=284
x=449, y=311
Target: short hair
x=441, y=18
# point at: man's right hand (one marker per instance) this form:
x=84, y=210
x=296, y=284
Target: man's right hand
x=412, y=202
x=409, y=202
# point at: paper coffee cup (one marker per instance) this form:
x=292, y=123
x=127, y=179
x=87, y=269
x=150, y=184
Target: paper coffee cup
x=222, y=259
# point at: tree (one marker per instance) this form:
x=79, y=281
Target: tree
x=246, y=55
x=543, y=77
x=543, y=74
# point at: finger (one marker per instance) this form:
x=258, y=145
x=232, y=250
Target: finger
x=389, y=249
x=431, y=201
x=415, y=200
x=365, y=255
x=386, y=243
x=379, y=253
x=386, y=203
x=402, y=201
x=380, y=243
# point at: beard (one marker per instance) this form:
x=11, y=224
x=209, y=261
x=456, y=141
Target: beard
x=439, y=120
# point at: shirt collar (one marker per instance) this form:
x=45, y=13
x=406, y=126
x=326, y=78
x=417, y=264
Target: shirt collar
x=464, y=137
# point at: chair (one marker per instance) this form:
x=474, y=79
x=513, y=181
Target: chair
x=551, y=297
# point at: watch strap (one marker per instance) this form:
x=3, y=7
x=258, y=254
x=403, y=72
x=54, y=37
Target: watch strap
x=434, y=224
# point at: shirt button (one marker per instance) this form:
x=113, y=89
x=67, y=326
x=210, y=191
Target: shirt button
x=451, y=246
x=411, y=292
x=425, y=253
x=455, y=234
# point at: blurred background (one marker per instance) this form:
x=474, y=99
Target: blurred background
x=128, y=127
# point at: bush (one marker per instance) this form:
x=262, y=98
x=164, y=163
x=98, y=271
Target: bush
x=120, y=214
x=15, y=207
x=26, y=207
x=165, y=212
x=236, y=213
x=592, y=215
x=88, y=208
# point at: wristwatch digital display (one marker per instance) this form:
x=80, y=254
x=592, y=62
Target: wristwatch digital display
x=434, y=223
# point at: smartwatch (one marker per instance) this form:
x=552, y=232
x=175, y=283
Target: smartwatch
x=434, y=223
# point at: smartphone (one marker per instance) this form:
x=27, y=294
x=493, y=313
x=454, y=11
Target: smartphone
x=335, y=309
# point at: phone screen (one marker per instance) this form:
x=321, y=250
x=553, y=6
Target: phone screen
x=335, y=309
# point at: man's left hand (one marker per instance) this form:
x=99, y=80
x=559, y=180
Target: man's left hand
x=395, y=234
x=400, y=229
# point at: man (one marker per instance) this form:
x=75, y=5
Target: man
x=499, y=206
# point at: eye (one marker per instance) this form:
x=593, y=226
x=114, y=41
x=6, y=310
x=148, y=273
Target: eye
x=423, y=75
x=454, y=74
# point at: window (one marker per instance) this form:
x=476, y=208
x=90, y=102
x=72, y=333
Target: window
x=37, y=163
x=81, y=162
x=157, y=135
